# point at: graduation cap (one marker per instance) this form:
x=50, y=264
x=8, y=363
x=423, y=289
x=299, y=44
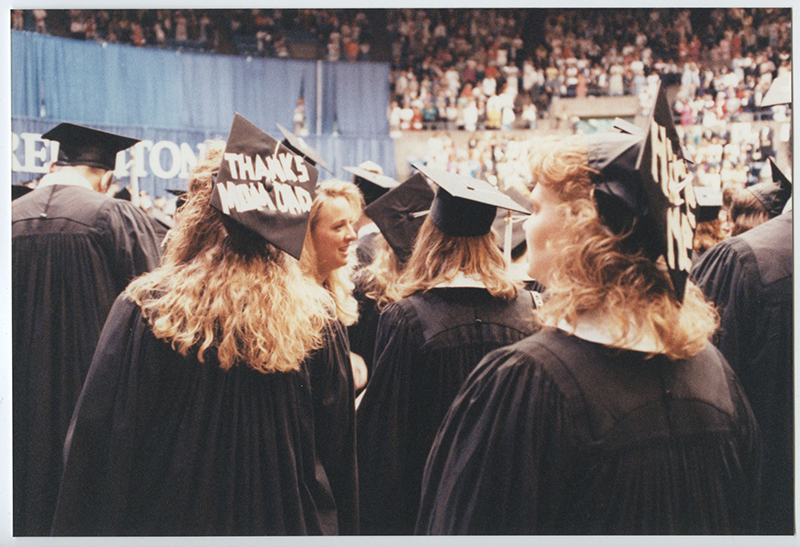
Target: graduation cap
x=400, y=212
x=780, y=92
x=643, y=191
x=180, y=194
x=709, y=202
x=464, y=206
x=501, y=221
x=775, y=194
x=79, y=145
x=299, y=146
x=372, y=185
x=124, y=193
x=265, y=187
x=625, y=126
x=19, y=190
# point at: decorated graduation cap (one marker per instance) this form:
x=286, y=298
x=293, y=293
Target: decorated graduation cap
x=400, y=212
x=19, y=190
x=625, y=126
x=643, y=191
x=79, y=145
x=780, y=92
x=372, y=185
x=709, y=202
x=773, y=195
x=501, y=222
x=265, y=187
x=464, y=206
x=299, y=146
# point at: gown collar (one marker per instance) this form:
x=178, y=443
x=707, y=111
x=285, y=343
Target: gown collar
x=593, y=328
x=68, y=178
x=460, y=280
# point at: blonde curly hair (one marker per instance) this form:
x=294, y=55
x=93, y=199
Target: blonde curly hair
x=223, y=291
x=594, y=275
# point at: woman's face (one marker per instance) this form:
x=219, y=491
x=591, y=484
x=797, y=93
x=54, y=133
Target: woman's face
x=545, y=222
x=333, y=234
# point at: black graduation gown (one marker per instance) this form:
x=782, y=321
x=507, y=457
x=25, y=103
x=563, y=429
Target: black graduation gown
x=426, y=346
x=557, y=435
x=749, y=279
x=162, y=444
x=73, y=251
x=362, y=334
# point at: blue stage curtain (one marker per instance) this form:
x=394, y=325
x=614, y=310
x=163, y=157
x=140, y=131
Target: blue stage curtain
x=359, y=97
x=88, y=82
x=178, y=96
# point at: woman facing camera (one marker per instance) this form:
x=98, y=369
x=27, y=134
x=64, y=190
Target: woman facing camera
x=199, y=415
x=456, y=304
x=326, y=259
x=618, y=417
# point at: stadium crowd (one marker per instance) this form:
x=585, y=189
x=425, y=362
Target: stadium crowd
x=526, y=335
x=484, y=68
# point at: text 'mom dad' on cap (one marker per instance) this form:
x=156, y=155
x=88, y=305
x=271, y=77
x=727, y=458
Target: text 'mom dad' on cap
x=465, y=206
x=80, y=145
x=265, y=187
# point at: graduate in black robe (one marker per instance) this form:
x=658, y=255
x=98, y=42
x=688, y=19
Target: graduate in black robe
x=73, y=251
x=398, y=214
x=560, y=435
x=220, y=399
x=618, y=416
x=749, y=278
x=460, y=305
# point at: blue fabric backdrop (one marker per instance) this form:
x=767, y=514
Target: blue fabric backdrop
x=188, y=97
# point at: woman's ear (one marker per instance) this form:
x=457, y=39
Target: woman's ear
x=105, y=181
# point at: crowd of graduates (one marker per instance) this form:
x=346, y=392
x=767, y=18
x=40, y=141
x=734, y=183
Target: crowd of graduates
x=602, y=347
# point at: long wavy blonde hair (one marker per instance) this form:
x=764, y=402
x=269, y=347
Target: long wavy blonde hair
x=595, y=276
x=338, y=282
x=382, y=274
x=223, y=291
x=439, y=257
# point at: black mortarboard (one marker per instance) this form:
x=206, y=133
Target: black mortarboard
x=780, y=92
x=372, y=185
x=124, y=193
x=265, y=187
x=517, y=220
x=709, y=202
x=19, y=190
x=464, y=206
x=642, y=190
x=773, y=195
x=79, y=145
x=180, y=194
x=400, y=212
x=299, y=146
